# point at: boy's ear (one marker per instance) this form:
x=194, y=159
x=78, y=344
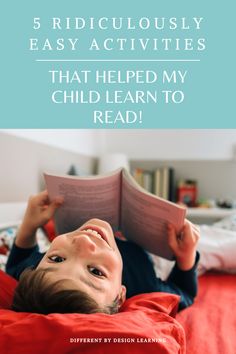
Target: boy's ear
x=122, y=295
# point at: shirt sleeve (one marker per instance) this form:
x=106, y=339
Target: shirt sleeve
x=21, y=258
x=183, y=283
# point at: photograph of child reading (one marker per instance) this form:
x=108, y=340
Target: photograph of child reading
x=89, y=270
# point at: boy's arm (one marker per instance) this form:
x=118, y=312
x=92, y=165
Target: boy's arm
x=183, y=278
x=184, y=244
x=39, y=211
x=21, y=258
x=182, y=283
x=25, y=251
x=185, y=283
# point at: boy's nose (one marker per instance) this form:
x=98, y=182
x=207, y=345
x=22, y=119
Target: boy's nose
x=84, y=244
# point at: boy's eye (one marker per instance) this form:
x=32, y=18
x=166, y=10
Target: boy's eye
x=95, y=272
x=56, y=259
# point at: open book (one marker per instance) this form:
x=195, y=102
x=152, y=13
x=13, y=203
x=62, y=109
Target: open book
x=118, y=199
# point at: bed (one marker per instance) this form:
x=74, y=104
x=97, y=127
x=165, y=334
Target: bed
x=210, y=324
x=147, y=323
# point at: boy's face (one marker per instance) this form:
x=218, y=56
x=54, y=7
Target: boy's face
x=90, y=258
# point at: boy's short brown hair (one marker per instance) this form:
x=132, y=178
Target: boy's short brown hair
x=34, y=293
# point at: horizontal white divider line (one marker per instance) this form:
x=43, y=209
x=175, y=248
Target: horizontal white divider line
x=117, y=60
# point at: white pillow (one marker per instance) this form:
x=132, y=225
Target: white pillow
x=217, y=247
x=228, y=223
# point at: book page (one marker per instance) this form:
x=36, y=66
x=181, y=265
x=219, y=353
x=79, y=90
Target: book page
x=85, y=198
x=144, y=219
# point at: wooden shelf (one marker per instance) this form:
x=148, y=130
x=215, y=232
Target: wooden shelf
x=213, y=214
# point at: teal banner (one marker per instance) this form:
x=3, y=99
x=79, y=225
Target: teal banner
x=112, y=65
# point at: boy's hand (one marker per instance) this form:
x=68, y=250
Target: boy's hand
x=184, y=245
x=39, y=211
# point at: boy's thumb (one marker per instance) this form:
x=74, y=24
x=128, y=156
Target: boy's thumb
x=171, y=234
x=56, y=203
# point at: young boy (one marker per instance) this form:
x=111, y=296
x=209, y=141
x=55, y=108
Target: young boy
x=88, y=270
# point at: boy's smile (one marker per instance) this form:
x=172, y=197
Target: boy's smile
x=96, y=231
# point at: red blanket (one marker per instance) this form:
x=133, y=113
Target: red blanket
x=145, y=325
x=210, y=324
